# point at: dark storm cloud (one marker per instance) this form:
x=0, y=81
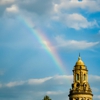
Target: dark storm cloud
x=3, y=8
x=4, y=5
x=36, y=6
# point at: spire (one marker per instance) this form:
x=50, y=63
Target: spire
x=79, y=58
x=79, y=54
x=79, y=61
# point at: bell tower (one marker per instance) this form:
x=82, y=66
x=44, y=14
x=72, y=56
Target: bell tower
x=80, y=87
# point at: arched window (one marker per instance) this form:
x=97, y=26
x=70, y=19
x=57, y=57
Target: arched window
x=84, y=76
x=77, y=76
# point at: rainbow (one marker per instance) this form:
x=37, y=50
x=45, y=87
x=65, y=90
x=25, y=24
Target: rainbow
x=46, y=44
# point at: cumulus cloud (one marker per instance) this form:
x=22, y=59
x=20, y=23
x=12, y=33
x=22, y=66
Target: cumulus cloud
x=91, y=6
x=50, y=6
x=97, y=79
x=38, y=81
x=49, y=86
x=74, y=44
x=49, y=9
x=3, y=2
x=55, y=86
x=77, y=21
x=0, y=85
x=53, y=6
x=13, y=84
x=59, y=79
x=54, y=92
x=13, y=8
x=96, y=97
x=36, y=6
x=95, y=89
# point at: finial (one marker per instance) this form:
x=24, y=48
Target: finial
x=79, y=54
x=79, y=58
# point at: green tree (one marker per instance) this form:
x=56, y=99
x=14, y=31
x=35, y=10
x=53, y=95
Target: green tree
x=46, y=98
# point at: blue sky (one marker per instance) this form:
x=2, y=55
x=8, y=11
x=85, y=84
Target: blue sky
x=27, y=70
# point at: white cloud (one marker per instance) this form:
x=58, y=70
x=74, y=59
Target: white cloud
x=13, y=9
x=71, y=5
x=94, y=89
x=38, y=81
x=59, y=79
x=35, y=6
x=97, y=78
x=94, y=81
x=0, y=85
x=51, y=8
x=54, y=92
x=45, y=86
x=37, y=88
x=2, y=2
x=13, y=84
x=96, y=97
x=92, y=6
x=77, y=21
x=98, y=32
x=63, y=77
x=74, y=44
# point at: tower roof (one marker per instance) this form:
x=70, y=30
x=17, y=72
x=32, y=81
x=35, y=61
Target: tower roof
x=80, y=64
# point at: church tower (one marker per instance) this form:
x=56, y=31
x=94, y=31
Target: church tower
x=80, y=87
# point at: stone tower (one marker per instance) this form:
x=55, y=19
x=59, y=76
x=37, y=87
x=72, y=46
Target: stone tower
x=80, y=87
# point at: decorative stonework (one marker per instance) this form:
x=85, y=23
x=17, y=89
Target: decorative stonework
x=80, y=87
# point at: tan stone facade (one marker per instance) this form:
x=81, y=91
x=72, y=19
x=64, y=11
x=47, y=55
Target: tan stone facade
x=80, y=87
